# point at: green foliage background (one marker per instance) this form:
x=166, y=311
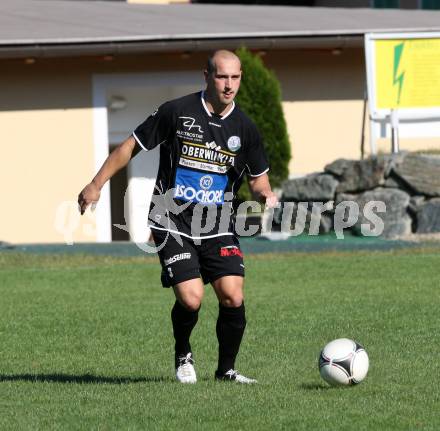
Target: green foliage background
x=260, y=98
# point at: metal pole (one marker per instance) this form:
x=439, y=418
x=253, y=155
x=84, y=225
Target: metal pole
x=394, y=131
x=363, y=125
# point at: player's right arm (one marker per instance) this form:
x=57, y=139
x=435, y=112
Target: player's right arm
x=118, y=159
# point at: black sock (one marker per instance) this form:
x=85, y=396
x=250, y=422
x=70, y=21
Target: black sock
x=231, y=323
x=183, y=324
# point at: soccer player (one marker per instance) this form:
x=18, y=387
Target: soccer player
x=207, y=145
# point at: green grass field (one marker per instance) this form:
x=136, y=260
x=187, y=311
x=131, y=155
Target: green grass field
x=86, y=343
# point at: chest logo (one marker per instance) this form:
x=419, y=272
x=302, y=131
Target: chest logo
x=190, y=124
x=213, y=145
x=234, y=143
x=206, y=182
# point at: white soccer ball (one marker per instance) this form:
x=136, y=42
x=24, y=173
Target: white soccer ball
x=343, y=362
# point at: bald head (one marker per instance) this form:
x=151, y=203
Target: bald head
x=219, y=56
x=223, y=77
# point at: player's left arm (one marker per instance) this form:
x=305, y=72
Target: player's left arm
x=261, y=189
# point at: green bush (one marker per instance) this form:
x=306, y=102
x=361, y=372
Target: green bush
x=260, y=98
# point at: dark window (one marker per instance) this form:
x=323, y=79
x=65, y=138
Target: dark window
x=430, y=4
x=386, y=4
x=118, y=186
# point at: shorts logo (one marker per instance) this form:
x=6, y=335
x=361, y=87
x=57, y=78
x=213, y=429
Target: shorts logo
x=234, y=143
x=231, y=250
x=206, y=182
x=176, y=258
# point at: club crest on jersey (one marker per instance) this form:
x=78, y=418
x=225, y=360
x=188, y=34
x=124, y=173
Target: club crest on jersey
x=206, y=182
x=234, y=143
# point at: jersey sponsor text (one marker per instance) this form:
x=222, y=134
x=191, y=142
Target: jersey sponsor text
x=203, y=166
x=208, y=154
x=195, y=186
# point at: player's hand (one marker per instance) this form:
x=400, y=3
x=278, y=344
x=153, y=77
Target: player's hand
x=89, y=195
x=271, y=200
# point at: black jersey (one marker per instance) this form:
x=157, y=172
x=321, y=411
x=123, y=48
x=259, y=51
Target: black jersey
x=203, y=159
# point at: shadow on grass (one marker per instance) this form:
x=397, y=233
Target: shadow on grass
x=83, y=379
x=315, y=387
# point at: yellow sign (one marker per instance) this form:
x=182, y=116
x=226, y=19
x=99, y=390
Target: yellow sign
x=407, y=73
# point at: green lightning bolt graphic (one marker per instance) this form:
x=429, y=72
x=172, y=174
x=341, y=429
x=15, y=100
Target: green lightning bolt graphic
x=398, y=77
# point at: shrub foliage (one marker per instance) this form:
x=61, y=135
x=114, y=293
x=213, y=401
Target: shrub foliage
x=260, y=98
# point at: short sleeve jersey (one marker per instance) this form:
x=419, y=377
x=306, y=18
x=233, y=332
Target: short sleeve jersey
x=203, y=158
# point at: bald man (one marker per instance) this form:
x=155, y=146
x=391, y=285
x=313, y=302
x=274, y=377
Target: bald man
x=207, y=146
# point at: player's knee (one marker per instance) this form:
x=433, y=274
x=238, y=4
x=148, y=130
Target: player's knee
x=192, y=303
x=232, y=301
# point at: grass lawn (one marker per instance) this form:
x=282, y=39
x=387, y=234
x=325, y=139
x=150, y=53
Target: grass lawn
x=86, y=343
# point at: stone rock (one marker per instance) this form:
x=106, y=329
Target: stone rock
x=315, y=187
x=392, y=183
x=359, y=175
x=341, y=197
x=339, y=167
x=428, y=217
x=392, y=161
x=309, y=217
x=396, y=220
x=421, y=173
x=395, y=182
x=415, y=202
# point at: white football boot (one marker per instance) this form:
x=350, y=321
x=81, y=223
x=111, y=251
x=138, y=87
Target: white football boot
x=235, y=376
x=185, y=372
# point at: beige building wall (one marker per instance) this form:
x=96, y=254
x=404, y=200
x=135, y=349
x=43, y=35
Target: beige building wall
x=46, y=140
x=48, y=155
x=46, y=121
x=322, y=93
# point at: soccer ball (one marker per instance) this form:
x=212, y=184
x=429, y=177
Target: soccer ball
x=343, y=362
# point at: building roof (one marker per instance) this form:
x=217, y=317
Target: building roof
x=60, y=27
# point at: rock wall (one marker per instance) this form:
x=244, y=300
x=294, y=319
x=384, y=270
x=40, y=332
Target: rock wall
x=407, y=184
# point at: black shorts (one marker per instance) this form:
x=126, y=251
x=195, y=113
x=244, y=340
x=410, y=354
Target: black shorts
x=210, y=259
